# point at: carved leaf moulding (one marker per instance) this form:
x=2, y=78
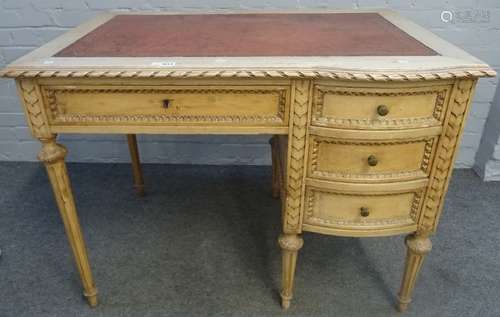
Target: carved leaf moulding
x=59, y=117
x=34, y=108
x=411, y=219
x=320, y=120
x=466, y=72
x=422, y=172
x=296, y=156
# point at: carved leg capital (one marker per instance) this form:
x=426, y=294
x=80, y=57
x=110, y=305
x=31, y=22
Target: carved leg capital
x=290, y=244
x=418, y=244
x=417, y=247
x=51, y=151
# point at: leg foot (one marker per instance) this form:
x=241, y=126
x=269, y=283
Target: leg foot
x=139, y=189
x=53, y=154
x=136, y=164
x=285, y=302
x=402, y=307
x=290, y=245
x=417, y=247
x=92, y=298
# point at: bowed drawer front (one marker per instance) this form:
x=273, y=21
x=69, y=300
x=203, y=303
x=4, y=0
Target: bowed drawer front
x=375, y=210
x=370, y=154
x=242, y=105
x=367, y=161
x=379, y=107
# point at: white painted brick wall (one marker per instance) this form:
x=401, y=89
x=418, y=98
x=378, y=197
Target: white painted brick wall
x=27, y=24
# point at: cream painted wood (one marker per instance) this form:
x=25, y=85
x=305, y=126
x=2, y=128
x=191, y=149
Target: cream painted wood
x=52, y=155
x=354, y=160
x=290, y=245
x=379, y=106
x=154, y=105
x=451, y=63
x=361, y=213
x=323, y=111
x=136, y=164
x=408, y=206
x=418, y=246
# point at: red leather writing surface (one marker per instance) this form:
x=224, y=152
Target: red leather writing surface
x=338, y=34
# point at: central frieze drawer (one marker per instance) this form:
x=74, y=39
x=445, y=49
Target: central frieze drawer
x=361, y=213
x=381, y=107
x=367, y=161
x=177, y=105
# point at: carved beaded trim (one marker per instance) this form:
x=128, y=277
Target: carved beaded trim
x=402, y=220
x=422, y=172
x=444, y=155
x=305, y=74
x=59, y=117
x=319, y=119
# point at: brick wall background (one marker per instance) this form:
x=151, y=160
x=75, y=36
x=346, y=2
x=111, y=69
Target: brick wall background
x=27, y=24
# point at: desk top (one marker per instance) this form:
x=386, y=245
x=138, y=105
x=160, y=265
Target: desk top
x=353, y=45
x=246, y=35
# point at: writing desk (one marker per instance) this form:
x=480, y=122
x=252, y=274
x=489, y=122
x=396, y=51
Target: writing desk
x=366, y=109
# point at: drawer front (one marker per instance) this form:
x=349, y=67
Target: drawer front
x=357, y=214
x=379, y=108
x=177, y=105
x=370, y=161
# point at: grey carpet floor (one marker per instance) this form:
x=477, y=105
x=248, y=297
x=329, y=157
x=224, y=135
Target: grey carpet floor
x=203, y=243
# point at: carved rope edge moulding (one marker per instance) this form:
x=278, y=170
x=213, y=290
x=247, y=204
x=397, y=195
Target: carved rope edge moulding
x=197, y=73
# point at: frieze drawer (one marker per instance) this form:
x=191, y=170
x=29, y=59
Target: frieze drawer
x=379, y=107
x=352, y=212
x=350, y=160
x=242, y=105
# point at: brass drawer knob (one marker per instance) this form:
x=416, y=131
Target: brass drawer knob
x=166, y=103
x=372, y=160
x=364, y=212
x=382, y=110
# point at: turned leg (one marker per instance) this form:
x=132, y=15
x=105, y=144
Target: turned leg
x=52, y=155
x=418, y=246
x=290, y=245
x=275, y=167
x=136, y=164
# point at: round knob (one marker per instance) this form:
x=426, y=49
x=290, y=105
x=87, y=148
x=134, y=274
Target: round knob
x=372, y=160
x=382, y=110
x=364, y=212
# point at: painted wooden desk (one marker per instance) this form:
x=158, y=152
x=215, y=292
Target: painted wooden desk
x=366, y=109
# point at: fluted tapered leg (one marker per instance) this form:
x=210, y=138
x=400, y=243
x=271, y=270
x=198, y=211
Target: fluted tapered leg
x=53, y=154
x=418, y=246
x=275, y=167
x=290, y=245
x=136, y=164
